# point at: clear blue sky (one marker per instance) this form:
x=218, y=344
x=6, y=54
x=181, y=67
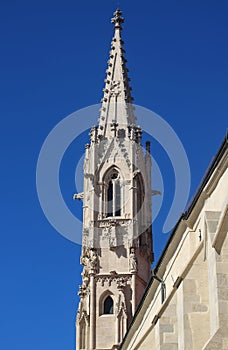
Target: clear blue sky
x=52, y=62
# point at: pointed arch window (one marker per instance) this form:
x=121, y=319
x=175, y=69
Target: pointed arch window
x=113, y=194
x=108, y=306
x=139, y=198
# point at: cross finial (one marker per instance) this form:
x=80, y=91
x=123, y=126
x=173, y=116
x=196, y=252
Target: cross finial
x=117, y=19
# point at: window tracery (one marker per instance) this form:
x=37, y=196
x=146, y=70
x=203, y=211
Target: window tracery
x=112, y=196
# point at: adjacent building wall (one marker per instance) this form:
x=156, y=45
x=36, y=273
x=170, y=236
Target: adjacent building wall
x=194, y=268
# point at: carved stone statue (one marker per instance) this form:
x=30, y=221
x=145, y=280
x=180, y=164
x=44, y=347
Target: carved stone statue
x=93, y=260
x=89, y=259
x=133, y=260
x=85, y=257
x=85, y=276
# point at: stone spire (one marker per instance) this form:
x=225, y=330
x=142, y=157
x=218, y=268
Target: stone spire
x=117, y=215
x=116, y=109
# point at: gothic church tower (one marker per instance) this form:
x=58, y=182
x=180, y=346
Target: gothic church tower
x=117, y=238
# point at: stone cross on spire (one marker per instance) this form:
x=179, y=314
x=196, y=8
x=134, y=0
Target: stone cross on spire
x=117, y=19
x=116, y=106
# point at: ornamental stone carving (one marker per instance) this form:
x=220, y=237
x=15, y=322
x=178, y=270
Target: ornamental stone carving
x=85, y=277
x=94, y=261
x=115, y=88
x=133, y=260
x=90, y=261
x=121, y=281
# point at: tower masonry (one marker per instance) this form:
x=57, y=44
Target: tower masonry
x=117, y=247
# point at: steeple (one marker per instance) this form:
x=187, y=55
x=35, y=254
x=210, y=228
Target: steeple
x=117, y=236
x=117, y=100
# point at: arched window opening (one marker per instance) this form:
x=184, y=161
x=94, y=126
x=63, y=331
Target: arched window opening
x=113, y=194
x=118, y=203
x=110, y=198
x=140, y=197
x=108, y=306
